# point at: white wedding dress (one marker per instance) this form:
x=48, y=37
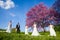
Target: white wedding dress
x=9, y=28
x=26, y=30
x=35, y=32
x=52, y=31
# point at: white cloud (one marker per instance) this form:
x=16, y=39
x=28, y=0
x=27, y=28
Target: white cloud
x=7, y=5
x=12, y=14
x=1, y=3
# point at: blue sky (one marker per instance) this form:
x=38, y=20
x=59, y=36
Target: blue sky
x=17, y=10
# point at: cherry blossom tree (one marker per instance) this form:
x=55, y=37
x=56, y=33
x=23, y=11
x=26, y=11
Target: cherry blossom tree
x=40, y=15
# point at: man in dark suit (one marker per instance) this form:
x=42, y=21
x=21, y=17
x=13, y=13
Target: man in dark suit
x=18, y=28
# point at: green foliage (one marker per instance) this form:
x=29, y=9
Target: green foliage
x=2, y=30
x=22, y=36
x=57, y=28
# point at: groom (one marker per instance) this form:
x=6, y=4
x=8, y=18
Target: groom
x=18, y=28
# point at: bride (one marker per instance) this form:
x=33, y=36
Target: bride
x=35, y=32
x=52, y=31
x=9, y=27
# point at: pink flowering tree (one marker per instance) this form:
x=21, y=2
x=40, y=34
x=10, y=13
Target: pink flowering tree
x=41, y=15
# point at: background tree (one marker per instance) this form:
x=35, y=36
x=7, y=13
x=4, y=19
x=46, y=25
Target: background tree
x=41, y=15
x=56, y=7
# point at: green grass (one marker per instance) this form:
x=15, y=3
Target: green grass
x=22, y=36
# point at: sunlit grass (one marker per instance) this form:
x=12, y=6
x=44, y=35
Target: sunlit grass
x=22, y=36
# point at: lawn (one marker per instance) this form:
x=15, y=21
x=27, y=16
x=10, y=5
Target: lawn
x=22, y=36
